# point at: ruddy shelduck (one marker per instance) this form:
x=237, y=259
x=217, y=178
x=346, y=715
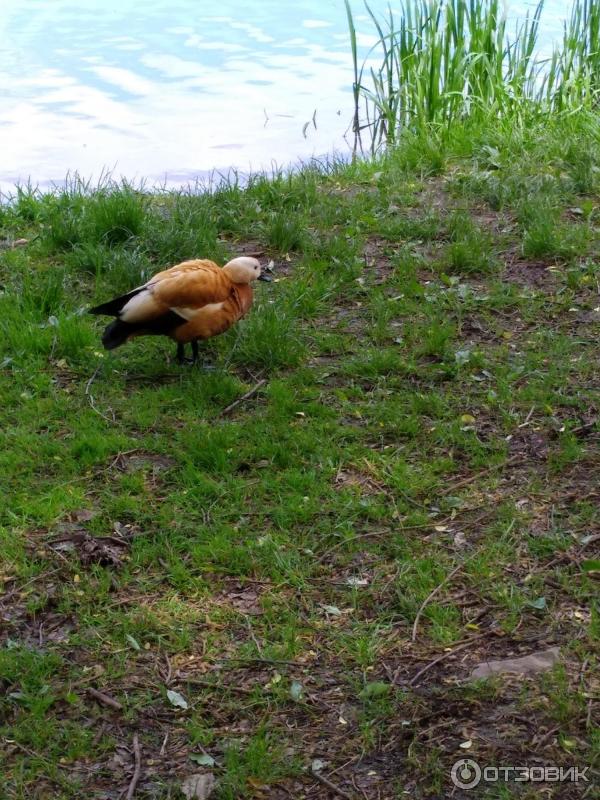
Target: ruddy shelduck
x=190, y=301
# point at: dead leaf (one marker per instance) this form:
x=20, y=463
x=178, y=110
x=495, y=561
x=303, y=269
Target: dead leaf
x=539, y=604
x=121, y=759
x=176, y=699
x=354, y=581
x=535, y=662
x=199, y=786
x=246, y=601
x=460, y=540
x=296, y=690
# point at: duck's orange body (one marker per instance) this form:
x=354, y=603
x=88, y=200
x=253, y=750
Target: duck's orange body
x=190, y=301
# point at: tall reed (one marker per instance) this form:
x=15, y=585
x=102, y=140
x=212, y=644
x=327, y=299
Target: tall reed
x=437, y=61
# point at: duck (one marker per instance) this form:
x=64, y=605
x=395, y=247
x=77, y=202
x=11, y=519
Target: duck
x=188, y=302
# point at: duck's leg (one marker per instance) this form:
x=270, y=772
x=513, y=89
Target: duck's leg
x=181, y=359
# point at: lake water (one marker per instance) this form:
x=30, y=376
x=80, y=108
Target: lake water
x=171, y=90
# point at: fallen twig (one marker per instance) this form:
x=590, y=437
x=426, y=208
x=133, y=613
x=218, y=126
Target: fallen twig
x=330, y=785
x=471, y=478
x=137, y=754
x=430, y=597
x=527, y=418
x=243, y=398
x=91, y=380
x=437, y=660
x=169, y=672
x=119, y=455
x=543, y=740
x=246, y=662
x=18, y=589
x=163, y=747
x=253, y=637
x=90, y=397
x=369, y=534
x=105, y=699
x=212, y=685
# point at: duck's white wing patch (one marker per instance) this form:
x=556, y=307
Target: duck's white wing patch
x=141, y=306
x=190, y=313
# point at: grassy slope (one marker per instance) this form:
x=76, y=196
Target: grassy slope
x=431, y=360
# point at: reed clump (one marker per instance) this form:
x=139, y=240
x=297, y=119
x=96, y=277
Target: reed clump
x=436, y=62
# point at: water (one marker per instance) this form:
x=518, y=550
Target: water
x=170, y=90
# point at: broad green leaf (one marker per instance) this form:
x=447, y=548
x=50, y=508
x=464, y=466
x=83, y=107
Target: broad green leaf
x=375, y=689
x=591, y=565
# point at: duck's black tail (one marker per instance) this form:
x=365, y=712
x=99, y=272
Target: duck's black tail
x=112, y=307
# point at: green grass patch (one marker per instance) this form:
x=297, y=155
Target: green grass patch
x=315, y=573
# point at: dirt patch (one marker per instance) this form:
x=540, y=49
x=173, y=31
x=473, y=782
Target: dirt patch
x=141, y=460
x=524, y=272
x=103, y=550
x=476, y=330
x=30, y=617
x=378, y=265
x=534, y=444
x=244, y=599
x=349, y=477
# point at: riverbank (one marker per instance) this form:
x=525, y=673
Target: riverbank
x=307, y=579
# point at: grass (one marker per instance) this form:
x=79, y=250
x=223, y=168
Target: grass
x=430, y=354
x=438, y=62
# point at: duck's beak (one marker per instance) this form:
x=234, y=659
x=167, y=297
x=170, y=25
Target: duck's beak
x=264, y=276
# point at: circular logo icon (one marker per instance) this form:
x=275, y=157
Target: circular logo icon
x=466, y=773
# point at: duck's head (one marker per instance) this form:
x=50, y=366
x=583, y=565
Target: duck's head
x=245, y=270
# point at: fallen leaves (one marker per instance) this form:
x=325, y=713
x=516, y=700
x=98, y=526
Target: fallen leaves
x=103, y=550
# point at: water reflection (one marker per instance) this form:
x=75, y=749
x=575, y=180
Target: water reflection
x=168, y=90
